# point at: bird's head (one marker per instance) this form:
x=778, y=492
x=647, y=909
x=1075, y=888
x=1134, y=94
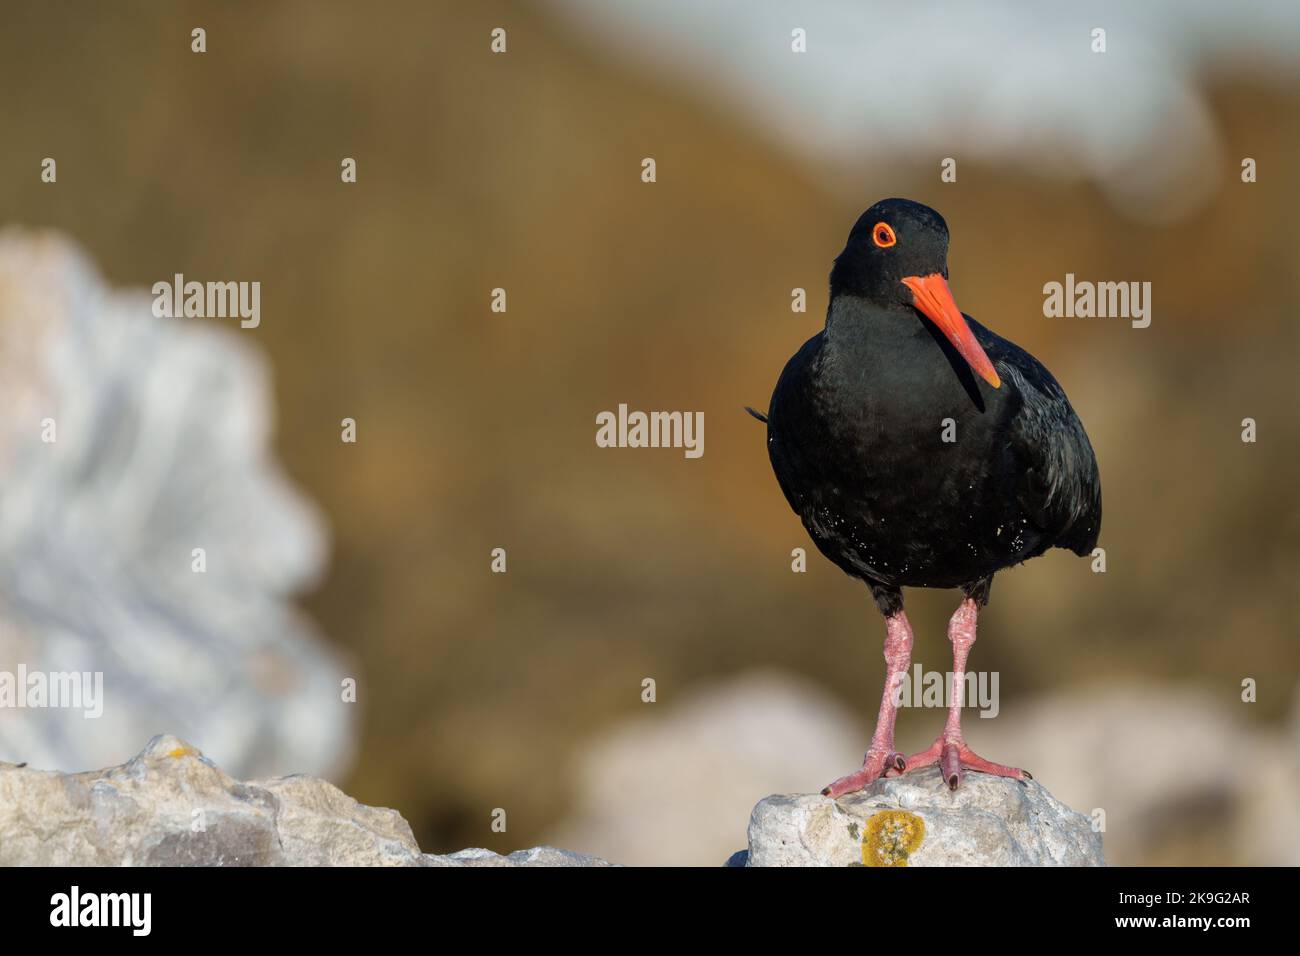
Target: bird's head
x=897, y=258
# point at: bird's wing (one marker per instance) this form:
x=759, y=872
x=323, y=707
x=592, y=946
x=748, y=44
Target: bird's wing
x=789, y=404
x=1059, y=487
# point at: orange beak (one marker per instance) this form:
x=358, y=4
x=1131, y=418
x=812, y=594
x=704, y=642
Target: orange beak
x=931, y=295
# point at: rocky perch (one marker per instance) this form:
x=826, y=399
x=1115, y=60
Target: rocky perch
x=915, y=820
x=170, y=806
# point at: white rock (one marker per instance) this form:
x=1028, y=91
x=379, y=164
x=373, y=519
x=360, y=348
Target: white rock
x=915, y=820
x=536, y=856
x=162, y=445
x=170, y=805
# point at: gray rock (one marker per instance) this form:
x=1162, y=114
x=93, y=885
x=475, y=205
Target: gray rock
x=170, y=805
x=915, y=820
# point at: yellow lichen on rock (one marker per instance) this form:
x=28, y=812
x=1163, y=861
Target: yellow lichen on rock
x=892, y=836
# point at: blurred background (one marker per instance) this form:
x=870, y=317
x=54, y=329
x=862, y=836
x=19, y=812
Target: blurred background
x=1120, y=691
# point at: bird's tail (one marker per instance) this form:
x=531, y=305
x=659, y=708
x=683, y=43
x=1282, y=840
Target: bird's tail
x=759, y=415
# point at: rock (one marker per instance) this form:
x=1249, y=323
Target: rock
x=537, y=856
x=915, y=820
x=638, y=797
x=170, y=805
x=130, y=442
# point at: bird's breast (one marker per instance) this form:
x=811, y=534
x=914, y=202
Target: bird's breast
x=899, y=475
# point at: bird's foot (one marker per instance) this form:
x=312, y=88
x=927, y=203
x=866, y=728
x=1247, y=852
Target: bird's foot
x=954, y=757
x=878, y=762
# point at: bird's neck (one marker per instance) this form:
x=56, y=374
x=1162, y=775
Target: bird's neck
x=855, y=324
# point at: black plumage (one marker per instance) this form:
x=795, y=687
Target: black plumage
x=857, y=423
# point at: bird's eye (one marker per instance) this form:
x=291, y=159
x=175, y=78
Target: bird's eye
x=883, y=235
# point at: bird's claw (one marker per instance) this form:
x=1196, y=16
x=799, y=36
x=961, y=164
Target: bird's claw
x=955, y=758
x=877, y=763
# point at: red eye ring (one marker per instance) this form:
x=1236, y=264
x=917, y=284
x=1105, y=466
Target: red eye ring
x=882, y=234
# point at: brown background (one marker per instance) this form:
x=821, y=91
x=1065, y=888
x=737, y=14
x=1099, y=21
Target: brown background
x=476, y=429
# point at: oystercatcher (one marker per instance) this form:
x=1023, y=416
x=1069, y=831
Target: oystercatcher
x=922, y=450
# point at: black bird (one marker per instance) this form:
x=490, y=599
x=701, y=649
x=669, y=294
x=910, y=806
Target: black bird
x=922, y=450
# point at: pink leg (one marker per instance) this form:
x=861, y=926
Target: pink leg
x=949, y=750
x=881, y=756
